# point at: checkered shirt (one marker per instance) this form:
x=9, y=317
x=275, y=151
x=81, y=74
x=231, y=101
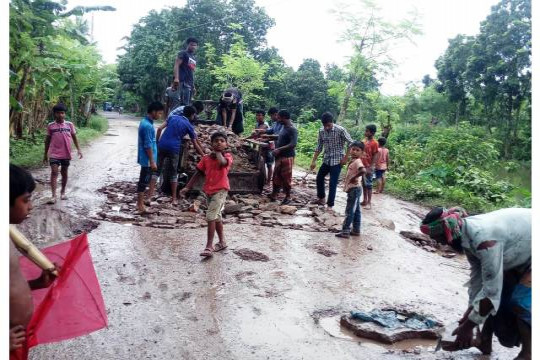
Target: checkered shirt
x=333, y=142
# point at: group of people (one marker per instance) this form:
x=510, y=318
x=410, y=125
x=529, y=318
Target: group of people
x=497, y=244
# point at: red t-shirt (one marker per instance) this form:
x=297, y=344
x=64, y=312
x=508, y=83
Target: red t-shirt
x=216, y=176
x=370, y=149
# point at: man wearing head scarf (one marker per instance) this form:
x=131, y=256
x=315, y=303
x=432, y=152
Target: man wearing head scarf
x=498, y=247
x=230, y=110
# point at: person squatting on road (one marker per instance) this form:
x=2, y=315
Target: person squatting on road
x=498, y=248
x=60, y=133
x=184, y=68
x=383, y=163
x=215, y=168
x=147, y=155
x=352, y=185
x=370, y=158
x=170, y=143
x=332, y=138
x=284, y=155
x=21, y=308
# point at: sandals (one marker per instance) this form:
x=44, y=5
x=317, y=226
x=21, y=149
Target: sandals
x=219, y=247
x=286, y=201
x=207, y=253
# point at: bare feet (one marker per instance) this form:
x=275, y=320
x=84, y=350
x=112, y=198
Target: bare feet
x=52, y=200
x=63, y=197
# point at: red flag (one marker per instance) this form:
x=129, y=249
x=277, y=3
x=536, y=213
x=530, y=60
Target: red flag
x=73, y=305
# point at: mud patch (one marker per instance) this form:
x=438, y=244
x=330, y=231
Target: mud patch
x=323, y=250
x=243, y=274
x=84, y=226
x=251, y=255
x=324, y=313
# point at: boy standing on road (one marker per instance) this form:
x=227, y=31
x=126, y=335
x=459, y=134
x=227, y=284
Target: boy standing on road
x=370, y=157
x=353, y=188
x=21, y=185
x=184, y=67
x=284, y=155
x=215, y=167
x=176, y=127
x=382, y=165
x=332, y=138
x=60, y=133
x=147, y=154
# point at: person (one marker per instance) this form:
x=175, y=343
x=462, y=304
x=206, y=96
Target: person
x=383, y=163
x=498, y=248
x=60, y=134
x=173, y=98
x=371, y=155
x=260, y=127
x=21, y=308
x=353, y=187
x=179, y=110
x=276, y=126
x=284, y=157
x=332, y=138
x=147, y=154
x=215, y=167
x=230, y=110
x=184, y=68
x=169, y=145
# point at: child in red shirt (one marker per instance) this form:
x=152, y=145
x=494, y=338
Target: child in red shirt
x=215, y=167
x=370, y=158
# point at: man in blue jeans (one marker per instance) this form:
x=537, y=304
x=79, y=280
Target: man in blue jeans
x=332, y=138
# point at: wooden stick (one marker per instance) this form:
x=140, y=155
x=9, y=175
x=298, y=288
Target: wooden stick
x=30, y=250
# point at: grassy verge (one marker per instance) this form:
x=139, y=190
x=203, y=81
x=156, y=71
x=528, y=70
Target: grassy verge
x=28, y=152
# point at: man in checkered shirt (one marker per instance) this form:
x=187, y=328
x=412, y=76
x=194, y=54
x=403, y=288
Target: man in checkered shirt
x=332, y=138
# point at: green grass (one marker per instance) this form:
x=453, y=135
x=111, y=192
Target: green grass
x=28, y=152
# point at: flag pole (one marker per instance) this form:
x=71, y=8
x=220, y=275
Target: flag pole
x=30, y=250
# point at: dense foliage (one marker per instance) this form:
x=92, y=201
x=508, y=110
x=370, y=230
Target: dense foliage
x=51, y=60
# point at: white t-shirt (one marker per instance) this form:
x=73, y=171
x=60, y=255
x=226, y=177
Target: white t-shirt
x=510, y=229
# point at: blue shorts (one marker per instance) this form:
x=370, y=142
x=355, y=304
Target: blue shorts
x=379, y=174
x=368, y=181
x=59, y=162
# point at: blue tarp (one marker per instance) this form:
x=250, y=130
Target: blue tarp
x=392, y=320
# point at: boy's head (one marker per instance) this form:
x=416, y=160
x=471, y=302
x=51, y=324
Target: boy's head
x=192, y=45
x=199, y=106
x=21, y=185
x=370, y=131
x=327, y=120
x=219, y=141
x=357, y=149
x=382, y=141
x=273, y=113
x=155, y=110
x=259, y=116
x=59, y=112
x=284, y=116
x=190, y=112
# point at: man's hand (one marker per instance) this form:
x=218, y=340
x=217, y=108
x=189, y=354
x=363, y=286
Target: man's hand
x=465, y=316
x=45, y=280
x=153, y=166
x=80, y=154
x=312, y=166
x=183, y=192
x=276, y=152
x=343, y=161
x=464, y=334
x=17, y=335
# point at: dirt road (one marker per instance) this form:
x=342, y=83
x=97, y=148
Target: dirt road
x=163, y=302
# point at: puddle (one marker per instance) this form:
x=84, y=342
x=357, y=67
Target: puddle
x=332, y=326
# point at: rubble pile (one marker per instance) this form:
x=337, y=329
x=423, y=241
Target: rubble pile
x=121, y=207
x=240, y=151
x=427, y=243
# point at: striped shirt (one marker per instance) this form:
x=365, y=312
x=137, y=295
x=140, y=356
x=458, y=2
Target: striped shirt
x=333, y=141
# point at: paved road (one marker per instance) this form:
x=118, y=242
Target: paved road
x=163, y=302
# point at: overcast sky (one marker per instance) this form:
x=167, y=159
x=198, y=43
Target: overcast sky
x=306, y=29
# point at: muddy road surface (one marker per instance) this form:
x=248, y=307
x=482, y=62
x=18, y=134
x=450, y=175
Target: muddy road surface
x=164, y=302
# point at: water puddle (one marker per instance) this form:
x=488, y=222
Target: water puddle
x=332, y=326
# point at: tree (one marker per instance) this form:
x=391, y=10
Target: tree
x=372, y=39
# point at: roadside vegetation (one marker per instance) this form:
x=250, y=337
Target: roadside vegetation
x=462, y=137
